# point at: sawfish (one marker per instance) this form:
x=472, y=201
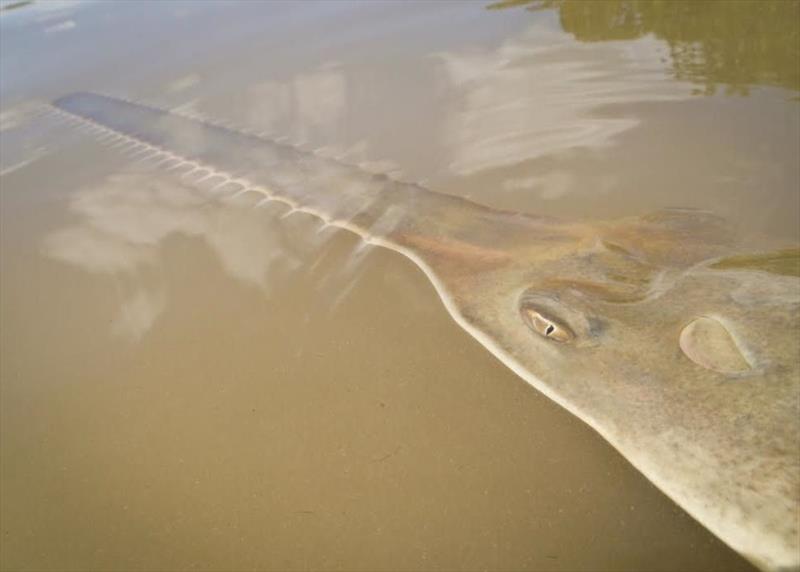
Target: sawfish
x=665, y=333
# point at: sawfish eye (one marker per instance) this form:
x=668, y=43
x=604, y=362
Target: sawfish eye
x=545, y=326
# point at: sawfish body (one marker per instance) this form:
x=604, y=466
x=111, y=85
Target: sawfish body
x=660, y=331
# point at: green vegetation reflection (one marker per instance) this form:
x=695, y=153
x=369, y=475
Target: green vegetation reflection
x=730, y=43
x=14, y=5
x=786, y=262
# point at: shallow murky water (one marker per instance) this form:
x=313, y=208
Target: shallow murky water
x=194, y=380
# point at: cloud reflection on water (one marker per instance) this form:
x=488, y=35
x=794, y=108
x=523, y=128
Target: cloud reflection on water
x=123, y=223
x=541, y=94
x=300, y=106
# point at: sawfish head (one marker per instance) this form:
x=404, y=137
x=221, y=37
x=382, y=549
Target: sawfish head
x=683, y=354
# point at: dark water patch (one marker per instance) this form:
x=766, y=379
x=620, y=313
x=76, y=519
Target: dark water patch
x=15, y=5
x=733, y=45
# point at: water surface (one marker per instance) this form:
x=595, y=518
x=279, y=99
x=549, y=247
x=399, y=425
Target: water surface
x=198, y=383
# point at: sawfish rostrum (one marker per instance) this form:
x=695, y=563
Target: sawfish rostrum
x=662, y=332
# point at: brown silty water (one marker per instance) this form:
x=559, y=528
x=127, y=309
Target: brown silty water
x=196, y=381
